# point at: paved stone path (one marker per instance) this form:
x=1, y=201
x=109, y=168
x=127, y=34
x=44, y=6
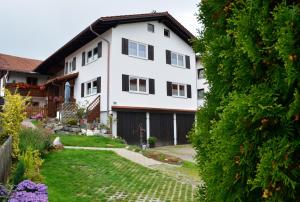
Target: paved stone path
x=125, y=153
x=27, y=123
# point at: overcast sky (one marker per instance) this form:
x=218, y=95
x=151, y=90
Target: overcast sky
x=37, y=28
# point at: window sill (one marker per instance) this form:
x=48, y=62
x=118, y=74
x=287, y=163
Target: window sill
x=91, y=62
x=181, y=67
x=137, y=92
x=182, y=97
x=133, y=56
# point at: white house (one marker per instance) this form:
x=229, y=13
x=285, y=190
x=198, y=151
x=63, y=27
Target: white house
x=202, y=84
x=141, y=68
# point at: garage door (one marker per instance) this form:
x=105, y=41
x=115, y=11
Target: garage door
x=184, y=125
x=162, y=127
x=131, y=126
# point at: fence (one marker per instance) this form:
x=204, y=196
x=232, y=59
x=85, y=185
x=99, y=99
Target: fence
x=68, y=111
x=34, y=110
x=5, y=160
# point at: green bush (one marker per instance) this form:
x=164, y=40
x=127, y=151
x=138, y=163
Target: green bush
x=72, y=122
x=19, y=173
x=37, y=139
x=248, y=133
x=152, y=140
x=32, y=162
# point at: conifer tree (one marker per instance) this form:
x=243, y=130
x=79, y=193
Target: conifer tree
x=247, y=135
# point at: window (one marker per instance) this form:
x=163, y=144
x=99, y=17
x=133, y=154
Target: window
x=177, y=59
x=178, y=90
x=150, y=27
x=167, y=32
x=138, y=84
x=137, y=49
x=89, y=56
x=200, y=94
x=91, y=87
x=31, y=81
x=200, y=73
x=95, y=53
x=66, y=68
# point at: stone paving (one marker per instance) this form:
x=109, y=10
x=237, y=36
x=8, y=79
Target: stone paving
x=157, y=186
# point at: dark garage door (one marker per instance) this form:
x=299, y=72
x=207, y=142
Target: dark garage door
x=184, y=125
x=128, y=125
x=162, y=127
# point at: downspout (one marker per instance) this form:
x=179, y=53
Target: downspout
x=108, y=67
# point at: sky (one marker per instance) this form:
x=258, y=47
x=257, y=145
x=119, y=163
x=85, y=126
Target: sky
x=37, y=28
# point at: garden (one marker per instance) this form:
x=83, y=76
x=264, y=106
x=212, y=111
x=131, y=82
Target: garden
x=40, y=169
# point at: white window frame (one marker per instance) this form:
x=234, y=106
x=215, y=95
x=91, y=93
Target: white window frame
x=198, y=75
x=137, y=51
x=69, y=67
x=94, y=56
x=177, y=60
x=138, y=85
x=202, y=89
x=152, y=25
x=178, y=91
x=86, y=93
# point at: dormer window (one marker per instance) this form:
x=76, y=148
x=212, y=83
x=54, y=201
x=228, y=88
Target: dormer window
x=167, y=32
x=150, y=27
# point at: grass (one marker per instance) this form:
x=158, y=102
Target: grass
x=35, y=122
x=82, y=175
x=90, y=141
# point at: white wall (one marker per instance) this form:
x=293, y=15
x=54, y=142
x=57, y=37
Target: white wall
x=201, y=83
x=91, y=71
x=20, y=77
x=157, y=69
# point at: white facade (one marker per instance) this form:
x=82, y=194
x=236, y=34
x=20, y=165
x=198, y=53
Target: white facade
x=202, y=84
x=121, y=64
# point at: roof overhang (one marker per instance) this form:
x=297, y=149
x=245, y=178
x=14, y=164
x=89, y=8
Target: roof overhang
x=151, y=109
x=55, y=62
x=61, y=79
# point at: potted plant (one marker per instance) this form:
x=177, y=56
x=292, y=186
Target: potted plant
x=81, y=113
x=152, y=141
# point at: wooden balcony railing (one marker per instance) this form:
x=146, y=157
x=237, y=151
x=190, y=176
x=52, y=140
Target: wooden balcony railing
x=26, y=89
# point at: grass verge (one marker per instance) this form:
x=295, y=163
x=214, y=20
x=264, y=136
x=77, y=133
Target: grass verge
x=81, y=175
x=89, y=141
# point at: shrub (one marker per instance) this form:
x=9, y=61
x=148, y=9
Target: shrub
x=38, y=139
x=11, y=117
x=72, y=122
x=32, y=162
x=19, y=173
x=247, y=134
x=152, y=140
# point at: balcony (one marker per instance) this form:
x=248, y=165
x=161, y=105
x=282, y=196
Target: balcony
x=26, y=89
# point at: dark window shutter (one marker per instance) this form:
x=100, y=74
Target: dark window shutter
x=168, y=57
x=83, y=58
x=82, y=89
x=151, y=86
x=187, y=62
x=99, y=49
x=124, y=46
x=99, y=84
x=150, y=52
x=66, y=68
x=125, y=82
x=74, y=64
x=169, y=88
x=189, y=91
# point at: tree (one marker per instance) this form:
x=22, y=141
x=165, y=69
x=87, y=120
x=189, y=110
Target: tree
x=247, y=135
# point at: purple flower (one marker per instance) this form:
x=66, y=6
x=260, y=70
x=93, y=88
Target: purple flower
x=28, y=191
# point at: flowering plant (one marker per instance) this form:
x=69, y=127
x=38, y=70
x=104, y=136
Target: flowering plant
x=29, y=191
x=26, y=191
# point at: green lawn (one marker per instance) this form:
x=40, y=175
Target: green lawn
x=81, y=175
x=89, y=141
